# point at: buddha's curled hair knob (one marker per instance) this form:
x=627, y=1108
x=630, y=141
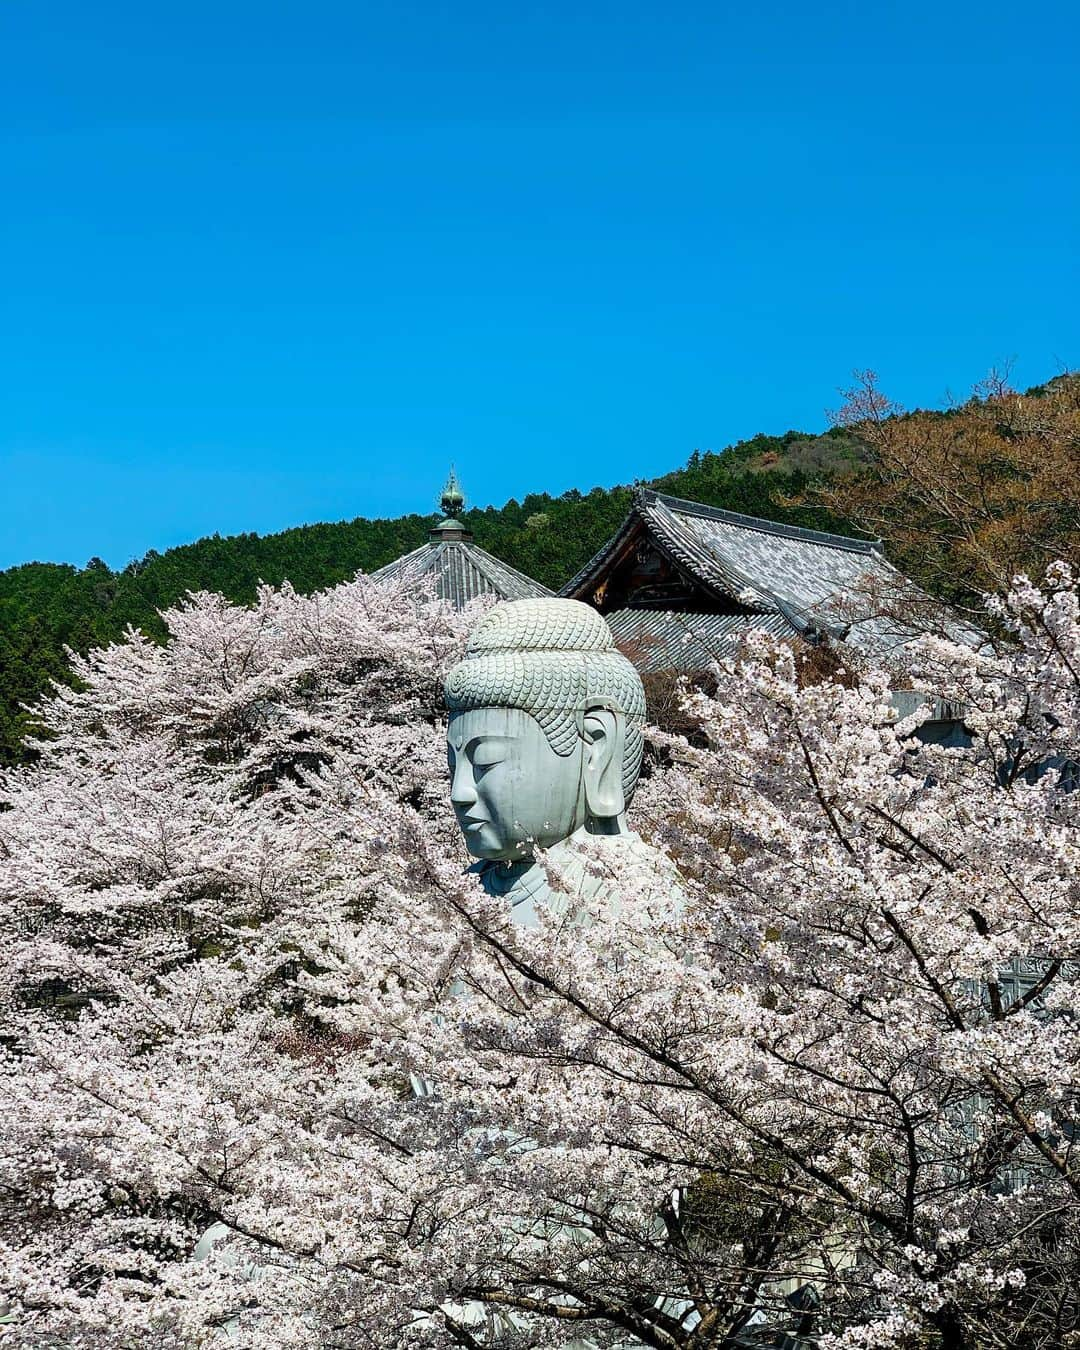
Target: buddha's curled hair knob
x=553, y=659
x=541, y=625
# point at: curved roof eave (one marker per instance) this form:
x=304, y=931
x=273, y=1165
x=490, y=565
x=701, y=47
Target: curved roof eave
x=650, y=514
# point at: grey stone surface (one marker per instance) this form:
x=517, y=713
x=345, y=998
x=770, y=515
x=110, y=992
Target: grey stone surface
x=545, y=743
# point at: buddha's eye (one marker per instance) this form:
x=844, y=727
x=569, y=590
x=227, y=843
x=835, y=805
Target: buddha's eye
x=484, y=758
x=485, y=753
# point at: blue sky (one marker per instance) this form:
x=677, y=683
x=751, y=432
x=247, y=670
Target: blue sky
x=279, y=262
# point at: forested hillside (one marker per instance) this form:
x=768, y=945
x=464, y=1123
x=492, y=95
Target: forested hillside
x=964, y=498
x=45, y=607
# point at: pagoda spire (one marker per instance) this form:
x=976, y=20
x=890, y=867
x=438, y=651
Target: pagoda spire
x=450, y=529
x=452, y=499
x=450, y=560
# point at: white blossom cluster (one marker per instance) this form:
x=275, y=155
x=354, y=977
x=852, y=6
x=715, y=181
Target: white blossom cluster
x=235, y=927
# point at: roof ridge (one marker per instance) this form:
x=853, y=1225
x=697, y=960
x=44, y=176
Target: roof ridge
x=395, y=564
x=476, y=553
x=733, y=580
x=686, y=507
x=437, y=551
x=484, y=562
x=461, y=570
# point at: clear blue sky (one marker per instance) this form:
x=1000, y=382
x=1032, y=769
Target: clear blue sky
x=282, y=262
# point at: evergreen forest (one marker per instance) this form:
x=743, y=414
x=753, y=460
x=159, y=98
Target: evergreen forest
x=964, y=500
x=48, y=607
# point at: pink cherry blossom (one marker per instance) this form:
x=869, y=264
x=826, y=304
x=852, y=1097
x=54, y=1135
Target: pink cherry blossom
x=236, y=930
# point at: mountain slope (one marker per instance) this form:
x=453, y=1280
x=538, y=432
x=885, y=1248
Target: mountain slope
x=45, y=607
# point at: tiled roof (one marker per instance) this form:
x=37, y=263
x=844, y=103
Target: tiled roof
x=805, y=579
x=801, y=568
x=758, y=563
x=657, y=639
x=461, y=572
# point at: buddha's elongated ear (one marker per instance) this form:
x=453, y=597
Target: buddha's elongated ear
x=604, y=733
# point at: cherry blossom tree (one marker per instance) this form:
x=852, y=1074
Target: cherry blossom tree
x=204, y=816
x=827, y=1083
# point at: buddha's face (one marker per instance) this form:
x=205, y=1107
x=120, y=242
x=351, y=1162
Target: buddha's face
x=509, y=789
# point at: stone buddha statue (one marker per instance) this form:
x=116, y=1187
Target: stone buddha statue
x=545, y=742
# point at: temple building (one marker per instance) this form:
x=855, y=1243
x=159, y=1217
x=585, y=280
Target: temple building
x=679, y=583
x=455, y=568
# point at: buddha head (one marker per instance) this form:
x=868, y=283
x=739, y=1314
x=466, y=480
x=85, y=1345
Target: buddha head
x=546, y=729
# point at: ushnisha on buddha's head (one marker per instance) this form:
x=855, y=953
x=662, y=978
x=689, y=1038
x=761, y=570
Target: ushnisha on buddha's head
x=546, y=729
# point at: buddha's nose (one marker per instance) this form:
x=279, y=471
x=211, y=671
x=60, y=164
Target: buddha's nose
x=462, y=787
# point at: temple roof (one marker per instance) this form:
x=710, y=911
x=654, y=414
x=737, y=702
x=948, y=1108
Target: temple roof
x=455, y=568
x=659, y=639
x=744, y=573
x=461, y=571
x=758, y=563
